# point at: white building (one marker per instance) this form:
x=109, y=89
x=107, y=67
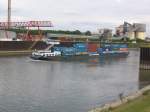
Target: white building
x=7, y=35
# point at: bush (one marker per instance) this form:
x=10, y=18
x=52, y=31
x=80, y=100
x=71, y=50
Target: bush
x=146, y=93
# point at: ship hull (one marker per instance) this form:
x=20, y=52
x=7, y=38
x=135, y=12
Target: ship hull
x=64, y=58
x=77, y=57
x=115, y=54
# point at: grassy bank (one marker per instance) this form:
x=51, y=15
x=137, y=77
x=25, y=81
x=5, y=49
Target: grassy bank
x=141, y=104
x=15, y=53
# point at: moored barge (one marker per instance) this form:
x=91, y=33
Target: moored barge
x=79, y=51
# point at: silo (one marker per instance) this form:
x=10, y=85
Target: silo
x=140, y=31
x=139, y=27
x=140, y=35
x=131, y=35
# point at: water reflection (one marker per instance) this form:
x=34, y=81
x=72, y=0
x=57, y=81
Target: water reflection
x=99, y=61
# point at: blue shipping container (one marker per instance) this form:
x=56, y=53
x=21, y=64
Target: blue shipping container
x=107, y=45
x=68, y=51
x=58, y=49
x=119, y=46
x=80, y=47
x=115, y=46
x=107, y=49
x=123, y=46
x=100, y=50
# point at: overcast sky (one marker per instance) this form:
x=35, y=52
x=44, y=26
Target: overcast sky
x=79, y=14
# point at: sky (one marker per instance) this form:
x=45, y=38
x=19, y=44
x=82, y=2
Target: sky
x=79, y=14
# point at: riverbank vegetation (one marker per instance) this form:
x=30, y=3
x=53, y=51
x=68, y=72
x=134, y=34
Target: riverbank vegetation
x=142, y=104
x=15, y=53
x=36, y=32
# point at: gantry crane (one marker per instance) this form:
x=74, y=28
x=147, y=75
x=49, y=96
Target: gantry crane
x=28, y=24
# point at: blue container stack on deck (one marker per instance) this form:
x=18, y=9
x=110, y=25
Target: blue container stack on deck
x=107, y=47
x=116, y=47
x=123, y=46
x=119, y=47
x=68, y=51
x=58, y=49
x=100, y=50
x=80, y=48
x=113, y=49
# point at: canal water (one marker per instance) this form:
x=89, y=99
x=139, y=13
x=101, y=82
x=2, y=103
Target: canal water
x=49, y=86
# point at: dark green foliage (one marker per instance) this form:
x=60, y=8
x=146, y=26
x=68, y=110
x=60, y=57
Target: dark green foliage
x=88, y=33
x=140, y=41
x=141, y=104
x=35, y=32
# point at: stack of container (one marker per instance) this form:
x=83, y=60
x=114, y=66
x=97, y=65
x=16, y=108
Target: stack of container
x=119, y=47
x=123, y=47
x=92, y=47
x=100, y=50
x=107, y=47
x=58, y=49
x=80, y=48
x=116, y=47
x=113, y=48
x=68, y=51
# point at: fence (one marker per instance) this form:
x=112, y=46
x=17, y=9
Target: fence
x=145, y=58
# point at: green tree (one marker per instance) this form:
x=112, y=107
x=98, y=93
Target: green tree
x=77, y=32
x=88, y=33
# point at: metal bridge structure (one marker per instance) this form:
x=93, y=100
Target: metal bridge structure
x=26, y=25
x=6, y=26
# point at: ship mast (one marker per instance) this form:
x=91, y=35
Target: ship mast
x=9, y=14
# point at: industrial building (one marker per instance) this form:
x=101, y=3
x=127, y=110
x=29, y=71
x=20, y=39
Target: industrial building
x=132, y=31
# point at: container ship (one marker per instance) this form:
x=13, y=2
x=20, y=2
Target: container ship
x=79, y=51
